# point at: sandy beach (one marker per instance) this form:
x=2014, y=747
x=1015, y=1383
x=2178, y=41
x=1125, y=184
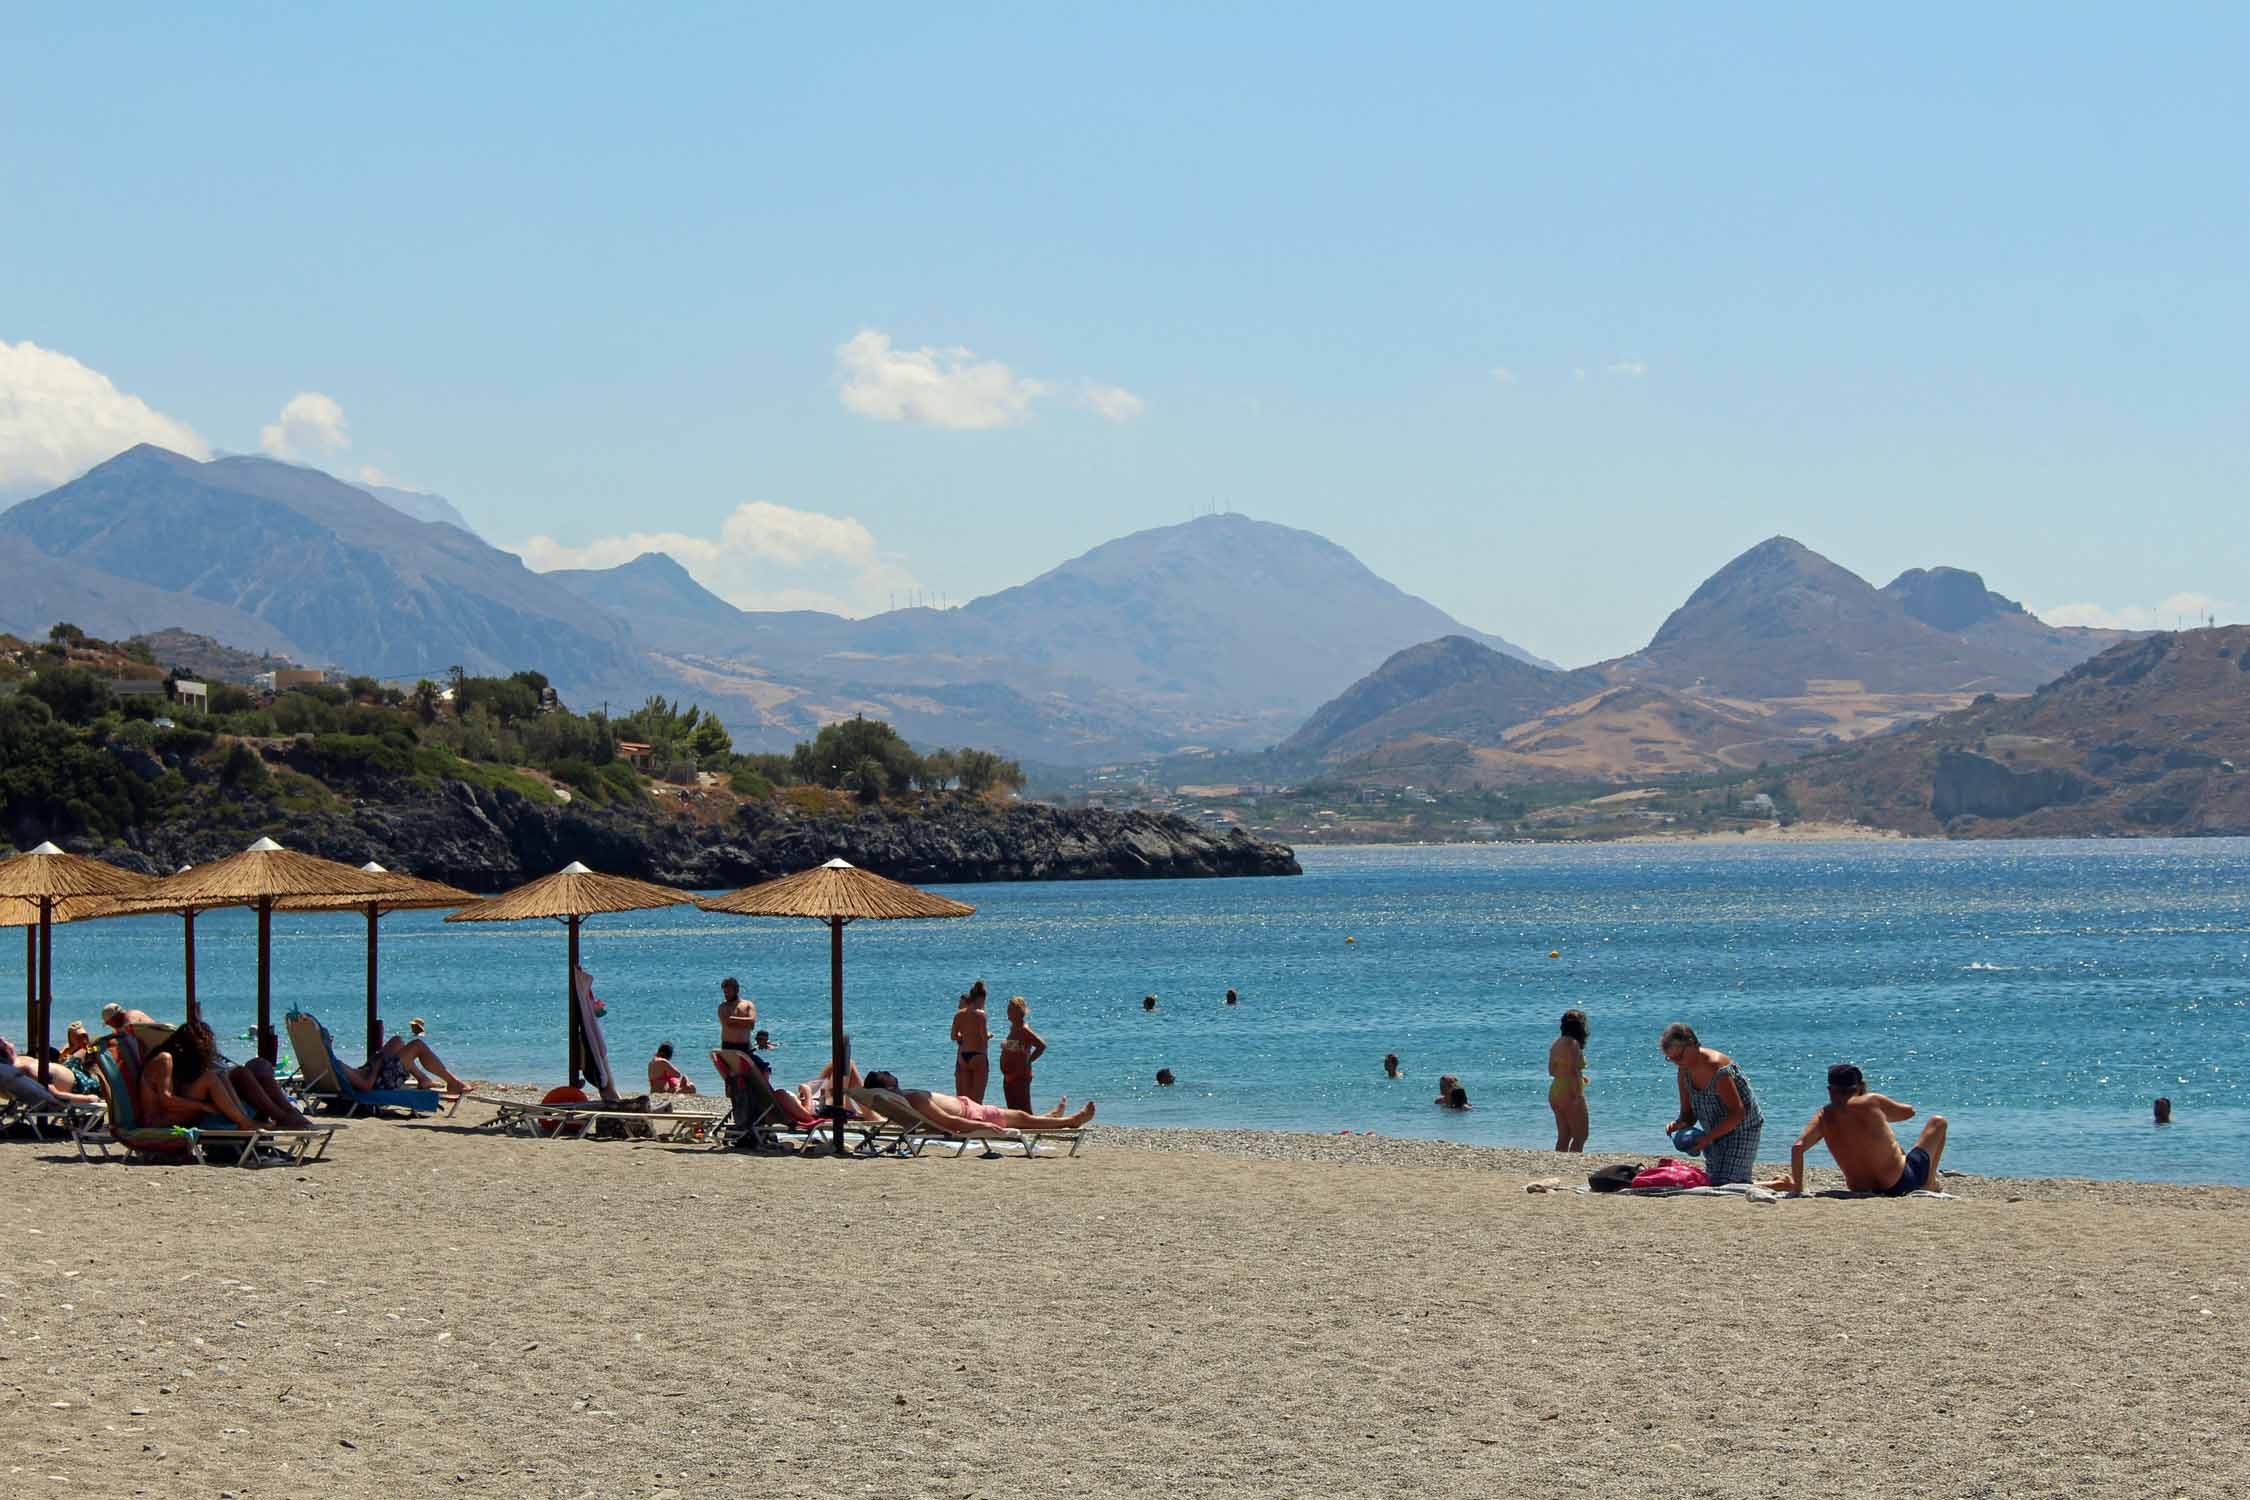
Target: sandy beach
x=436, y=1309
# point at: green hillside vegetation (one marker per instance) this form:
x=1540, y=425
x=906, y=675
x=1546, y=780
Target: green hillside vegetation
x=80, y=759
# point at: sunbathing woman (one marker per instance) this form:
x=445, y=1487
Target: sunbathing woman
x=183, y=1084
x=394, y=1061
x=960, y=1115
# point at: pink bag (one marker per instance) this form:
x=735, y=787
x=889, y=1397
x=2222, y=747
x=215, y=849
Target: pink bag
x=1668, y=1173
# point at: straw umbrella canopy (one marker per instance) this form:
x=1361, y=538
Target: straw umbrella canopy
x=417, y=895
x=129, y=907
x=836, y=893
x=47, y=878
x=570, y=895
x=260, y=876
x=25, y=914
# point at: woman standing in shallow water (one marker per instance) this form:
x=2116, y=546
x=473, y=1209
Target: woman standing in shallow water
x=1566, y=1095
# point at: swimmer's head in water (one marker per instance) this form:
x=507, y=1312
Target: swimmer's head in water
x=2163, y=1111
x=1148, y=1002
x=1457, y=1098
x=1232, y=998
x=1164, y=1077
x=1390, y=1065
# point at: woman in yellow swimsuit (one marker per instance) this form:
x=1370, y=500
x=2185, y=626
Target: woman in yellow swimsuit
x=1566, y=1096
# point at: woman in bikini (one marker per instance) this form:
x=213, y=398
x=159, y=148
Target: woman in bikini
x=1022, y=1048
x=1566, y=1095
x=972, y=1039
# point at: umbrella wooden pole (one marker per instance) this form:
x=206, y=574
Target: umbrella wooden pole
x=570, y=1010
x=374, y=1024
x=267, y=1047
x=30, y=980
x=187, y=923
x=38, y=1039
x=836, y=1025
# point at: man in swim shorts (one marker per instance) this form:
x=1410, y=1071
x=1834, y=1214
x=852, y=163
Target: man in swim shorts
x=1857, y=1127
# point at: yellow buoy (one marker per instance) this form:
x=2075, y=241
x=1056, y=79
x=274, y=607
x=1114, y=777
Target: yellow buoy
x=1554, y=952
x=1351, y=940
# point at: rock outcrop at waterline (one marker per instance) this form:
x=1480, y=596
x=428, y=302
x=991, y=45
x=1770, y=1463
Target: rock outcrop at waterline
x=486, y=839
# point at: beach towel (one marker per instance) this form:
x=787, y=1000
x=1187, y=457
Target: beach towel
x=1668, y=1173
x=596, y=1056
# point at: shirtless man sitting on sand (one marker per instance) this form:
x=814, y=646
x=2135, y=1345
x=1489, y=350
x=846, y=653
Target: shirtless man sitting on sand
x=1857, y=1127
x=959, y=1115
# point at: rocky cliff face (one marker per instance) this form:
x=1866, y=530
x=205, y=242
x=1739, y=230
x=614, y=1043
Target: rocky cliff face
x=485, y=840
x=1984, y=788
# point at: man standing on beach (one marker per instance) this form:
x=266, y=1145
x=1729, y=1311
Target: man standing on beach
x=738, y=1022
x=1857, y=1127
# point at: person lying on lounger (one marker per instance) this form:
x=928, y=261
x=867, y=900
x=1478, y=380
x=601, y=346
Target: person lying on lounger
x=397, y=1060
x=961, y=1116
x=183, y=1082
x=1857, y=1127
x=17, y=1081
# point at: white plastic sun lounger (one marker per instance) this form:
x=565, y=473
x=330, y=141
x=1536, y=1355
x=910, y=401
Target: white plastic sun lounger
x=920, y=1130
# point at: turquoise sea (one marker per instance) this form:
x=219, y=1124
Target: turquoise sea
x=2041, y=995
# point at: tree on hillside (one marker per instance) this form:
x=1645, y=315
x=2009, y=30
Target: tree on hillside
x=66, y=634
x=425, y=701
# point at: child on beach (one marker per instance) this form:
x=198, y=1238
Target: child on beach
x=972, y=1035
x=1022, y=1048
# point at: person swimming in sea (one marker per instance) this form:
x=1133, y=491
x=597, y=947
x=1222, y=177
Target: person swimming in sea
x=972, y=1037
x=1566, y=1093
x=1390, y=1065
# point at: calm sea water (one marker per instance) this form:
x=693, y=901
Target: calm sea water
x=2038, y=994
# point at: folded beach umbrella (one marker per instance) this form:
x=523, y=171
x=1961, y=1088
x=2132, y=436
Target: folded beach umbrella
x=261, y=876
x=416, y=895
x=569, y=896
x=50, y=880
x=836, y=893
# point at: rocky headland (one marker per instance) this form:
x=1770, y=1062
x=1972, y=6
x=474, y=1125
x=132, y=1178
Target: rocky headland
x=488, y=838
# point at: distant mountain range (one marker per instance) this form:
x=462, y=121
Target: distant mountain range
x=1779, y=654
x=2150, y=737
x=275, y=557
x=1223, y=632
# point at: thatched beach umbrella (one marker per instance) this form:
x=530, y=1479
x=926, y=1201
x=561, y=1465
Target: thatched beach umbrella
x=570, y=895
x=47, y=878
x=186, y=914
x=25, y=914
x=261, y=876
x=417, y=895
x=836, y=893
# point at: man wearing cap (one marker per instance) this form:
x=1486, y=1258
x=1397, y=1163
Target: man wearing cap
x=1857, y=1127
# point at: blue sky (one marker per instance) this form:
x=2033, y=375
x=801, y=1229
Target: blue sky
x=1544, y=313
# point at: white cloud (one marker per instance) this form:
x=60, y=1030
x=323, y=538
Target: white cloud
x=369, y=474
x=310, y=426
x=952, y=388
x=2182, y=610
x=59, y=418
x=765, y=556
x=1502, y=375
x=1631, y=367
x=1113, y=402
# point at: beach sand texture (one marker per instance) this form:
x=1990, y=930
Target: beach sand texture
x=439, y=1311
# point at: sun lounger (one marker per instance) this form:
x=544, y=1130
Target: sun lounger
x=26, y=1101
x=323, y=1084
x=768, y=1125
x=920, y=1130
x=120, y=1128
x=579, y=1120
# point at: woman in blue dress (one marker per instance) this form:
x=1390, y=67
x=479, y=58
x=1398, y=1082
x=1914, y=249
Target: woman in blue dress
x=1715, y=1104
